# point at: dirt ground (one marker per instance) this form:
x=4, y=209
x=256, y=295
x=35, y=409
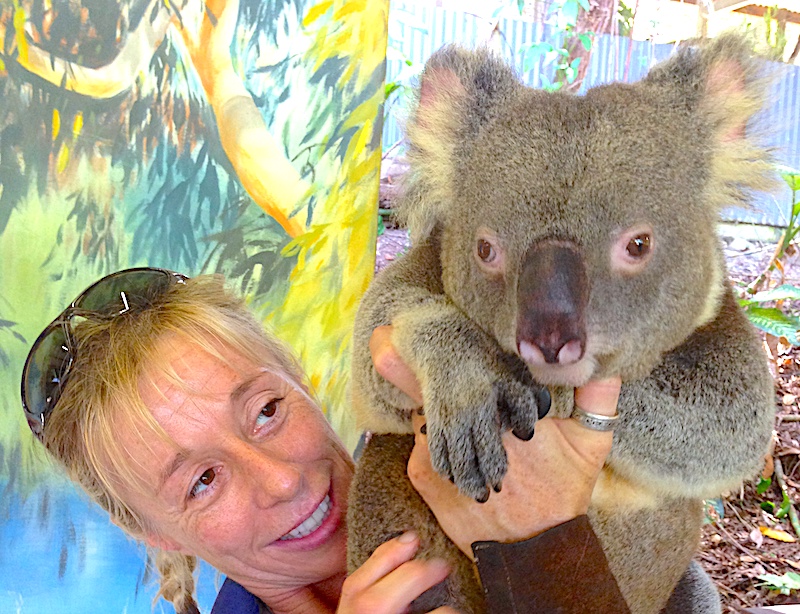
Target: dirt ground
x=733, y=550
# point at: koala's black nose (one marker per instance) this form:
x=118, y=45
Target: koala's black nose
x=552, y=296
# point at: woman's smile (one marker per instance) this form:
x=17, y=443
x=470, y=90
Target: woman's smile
x=317, y=527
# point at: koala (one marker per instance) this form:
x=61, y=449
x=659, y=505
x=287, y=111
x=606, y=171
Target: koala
x=557, y=239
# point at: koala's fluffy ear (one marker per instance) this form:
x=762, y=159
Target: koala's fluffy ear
x=725, y=83
x=457, y=93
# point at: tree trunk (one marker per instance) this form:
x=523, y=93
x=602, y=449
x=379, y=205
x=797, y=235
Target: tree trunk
x=599, y=19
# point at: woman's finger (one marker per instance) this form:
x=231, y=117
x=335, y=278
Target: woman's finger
x=599, y=397
x=389, y=364
x=395, y=591
x=386, y=558
x=391, y=578
x=596, y=397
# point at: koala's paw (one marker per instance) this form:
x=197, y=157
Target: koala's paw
x=465, y=428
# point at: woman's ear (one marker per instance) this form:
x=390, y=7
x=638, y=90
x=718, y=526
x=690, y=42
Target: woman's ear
x=153, y=540
x=163, y=543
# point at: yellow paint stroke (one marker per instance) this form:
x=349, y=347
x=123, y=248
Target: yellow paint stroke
x=19, y=29
x=354, y=6
x=335, y=249
x=63, y=158
x=56, y=123
x=317, y=11
x=77, y=124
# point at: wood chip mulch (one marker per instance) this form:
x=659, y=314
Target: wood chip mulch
x=733, y=551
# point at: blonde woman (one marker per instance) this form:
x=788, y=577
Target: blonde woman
x=164, y=399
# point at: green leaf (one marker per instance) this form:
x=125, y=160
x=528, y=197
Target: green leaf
x=763, y=485
x=570, y=12
x=586, y=41
x=790, y=176
x=391, y=88
x=521, y=6
x=585, y=5
x=775, y=322
x=784, y=584
x=783, y=292
x=538, y=49
x=768, y=506
x=785, y=505
x=575, y=63
x=550, y=57
x=534, y=53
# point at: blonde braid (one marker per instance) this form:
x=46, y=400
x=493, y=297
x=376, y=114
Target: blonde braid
x=176, y=573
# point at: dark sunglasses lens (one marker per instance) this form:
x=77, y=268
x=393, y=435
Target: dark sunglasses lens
x=44, y=375
x=129, y=289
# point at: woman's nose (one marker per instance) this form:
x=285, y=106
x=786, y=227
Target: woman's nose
x=271, y=478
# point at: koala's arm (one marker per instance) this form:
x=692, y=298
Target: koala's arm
x=701, y=422
x=412, y=281
x=472, y=390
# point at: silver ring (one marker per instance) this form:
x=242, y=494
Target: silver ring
x=596, y=422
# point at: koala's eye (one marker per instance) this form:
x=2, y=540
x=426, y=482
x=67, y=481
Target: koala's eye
x=489, y=253
x=633, y=250
x=485, y=251
x=639, y=246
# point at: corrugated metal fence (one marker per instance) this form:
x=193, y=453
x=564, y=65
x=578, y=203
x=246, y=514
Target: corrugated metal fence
x=417, y=29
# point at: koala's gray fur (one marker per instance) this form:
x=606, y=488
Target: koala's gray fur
x=552, y=182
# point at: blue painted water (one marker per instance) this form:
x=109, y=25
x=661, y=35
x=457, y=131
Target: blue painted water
x=60, y=554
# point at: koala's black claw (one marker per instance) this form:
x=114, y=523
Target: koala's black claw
x=421, y=411
x=483, y=498
x=544, y=403
x=497, y=487
x=424, y=429
x=523, y=435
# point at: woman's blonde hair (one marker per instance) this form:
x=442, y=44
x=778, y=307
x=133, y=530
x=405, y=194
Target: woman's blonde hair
x=117, y=357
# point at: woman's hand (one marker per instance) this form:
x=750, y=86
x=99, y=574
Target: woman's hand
x=391, y=579
x=549, y=481
x=550, y=478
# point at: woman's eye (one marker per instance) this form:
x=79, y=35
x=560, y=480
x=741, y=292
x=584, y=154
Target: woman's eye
x=267, y=412
x=209, y=475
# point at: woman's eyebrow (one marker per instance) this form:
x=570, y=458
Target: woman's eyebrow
x=244, y=387
x=169, y=469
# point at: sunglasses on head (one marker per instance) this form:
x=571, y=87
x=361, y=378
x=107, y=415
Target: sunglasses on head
x=52, y=355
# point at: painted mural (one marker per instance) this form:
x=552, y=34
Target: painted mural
x=230, y=136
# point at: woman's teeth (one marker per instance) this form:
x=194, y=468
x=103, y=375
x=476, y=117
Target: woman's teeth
x=312, y=523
